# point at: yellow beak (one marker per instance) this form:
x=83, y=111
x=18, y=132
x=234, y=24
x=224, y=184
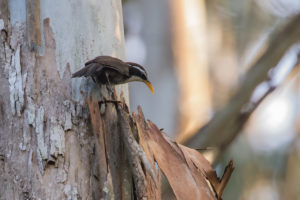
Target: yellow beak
x=149, y=86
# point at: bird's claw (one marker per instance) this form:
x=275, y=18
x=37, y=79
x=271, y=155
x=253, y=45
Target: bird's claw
x=109, y=101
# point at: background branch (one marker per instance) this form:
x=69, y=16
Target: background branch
x=227, y=122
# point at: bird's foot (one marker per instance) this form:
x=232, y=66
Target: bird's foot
x=116, y=102
x=110, y=88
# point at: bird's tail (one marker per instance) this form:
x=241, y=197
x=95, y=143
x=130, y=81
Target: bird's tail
x=79, y=73
x=88, y=70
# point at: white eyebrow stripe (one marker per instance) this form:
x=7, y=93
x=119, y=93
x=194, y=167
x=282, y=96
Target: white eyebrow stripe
x=140, y=68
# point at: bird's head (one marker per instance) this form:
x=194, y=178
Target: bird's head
x=138, y=73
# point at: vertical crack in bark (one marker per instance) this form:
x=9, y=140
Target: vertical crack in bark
x=132, y=151
x=97, y=124
x=4, y=40
x=33, y=24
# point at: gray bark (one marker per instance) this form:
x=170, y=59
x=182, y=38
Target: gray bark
x=47, y=147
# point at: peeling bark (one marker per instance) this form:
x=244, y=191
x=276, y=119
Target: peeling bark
x=56, y=140
x=47, y=148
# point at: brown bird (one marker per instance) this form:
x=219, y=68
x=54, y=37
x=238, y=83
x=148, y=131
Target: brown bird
x=108, y=70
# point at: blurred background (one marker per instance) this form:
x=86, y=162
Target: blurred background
x=196, y=53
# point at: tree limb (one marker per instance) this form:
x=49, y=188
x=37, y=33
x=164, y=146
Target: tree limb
x=229, y=121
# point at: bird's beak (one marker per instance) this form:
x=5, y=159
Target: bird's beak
x=149, y=86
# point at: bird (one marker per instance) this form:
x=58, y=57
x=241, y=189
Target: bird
x=108, y=70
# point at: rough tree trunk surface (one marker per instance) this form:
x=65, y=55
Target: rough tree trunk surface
x=57, y=141
x=47, y=146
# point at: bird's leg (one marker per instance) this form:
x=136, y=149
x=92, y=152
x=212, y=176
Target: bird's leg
x=109, y=86
x=110, y=89
x=109, y=101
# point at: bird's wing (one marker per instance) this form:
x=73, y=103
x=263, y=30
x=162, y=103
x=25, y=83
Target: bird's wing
x=97, y=64
x=88, y=70
x=110, y=62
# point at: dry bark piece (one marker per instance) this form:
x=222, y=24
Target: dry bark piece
x=153, y=191
x=137, y=157
x=188, y=172
x=97, y=124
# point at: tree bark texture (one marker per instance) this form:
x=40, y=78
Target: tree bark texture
x=47, y=146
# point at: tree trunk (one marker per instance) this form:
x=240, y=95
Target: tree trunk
x=47, y=148
x=189, y=47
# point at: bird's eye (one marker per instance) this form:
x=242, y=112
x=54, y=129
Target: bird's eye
x=144, y=77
